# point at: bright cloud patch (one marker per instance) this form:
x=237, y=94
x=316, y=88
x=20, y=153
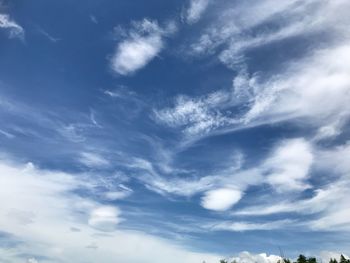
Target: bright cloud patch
x=246, y=257
x=289, y=165
x=14, y=29
x=220, y=199
x=45, y=219
x=196, y=116
x=104, y=218
x=250, y=226
x=142, y=44
x=134, y=54
x=315, y=88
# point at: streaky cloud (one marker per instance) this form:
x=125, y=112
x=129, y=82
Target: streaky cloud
x=14, y=29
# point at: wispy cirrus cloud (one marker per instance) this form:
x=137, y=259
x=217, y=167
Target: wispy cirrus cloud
x=281, y=97
x=262, y=23
x=251, y=226
x=286, y=169
x=196, y=115
x=282, y=94
x=329, y=202
x=93, y=159
x=14, y=29
x=47, y=35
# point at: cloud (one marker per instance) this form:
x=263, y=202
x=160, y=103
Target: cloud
x=322, y=200
x=195, y=116
x=52, y=196
x=73, y=132
x=121, y=93
x=104, y=218
x=315, y=88
x=195, y=10
x=121, y=192
x=288, y=167
x=312, y=89
x=239, y=28
x=7, y=134
x=116, y=195
x=249, y=226
x=220, y=199
x=141, y=45
x=93, y=19
x=246, y=257
x=229, y=176
x=93, y=160
x=328, y=203
x=47, y=35
x=14, y=29
x=326, y=256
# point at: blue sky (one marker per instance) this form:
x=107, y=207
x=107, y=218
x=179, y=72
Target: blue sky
x=145, y=131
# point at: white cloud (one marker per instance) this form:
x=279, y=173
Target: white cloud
x=235, y=25
x=143, y=43
x=313, y=89
x=316, y=88
x=228, y=177
x=322, y=200
x=196, y=116
x=134, y=54
x=49, y=200
x=246, y=257
x=329, y=203
x=93, y=160
x=220, y=199
x=14, y=29
x=326, y=256
x=195, y=10
x=328, y=131
x=120, y=193
x=249, y=226
x=288, y=167
x=105, y=218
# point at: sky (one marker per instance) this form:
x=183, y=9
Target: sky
x=178, y=131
